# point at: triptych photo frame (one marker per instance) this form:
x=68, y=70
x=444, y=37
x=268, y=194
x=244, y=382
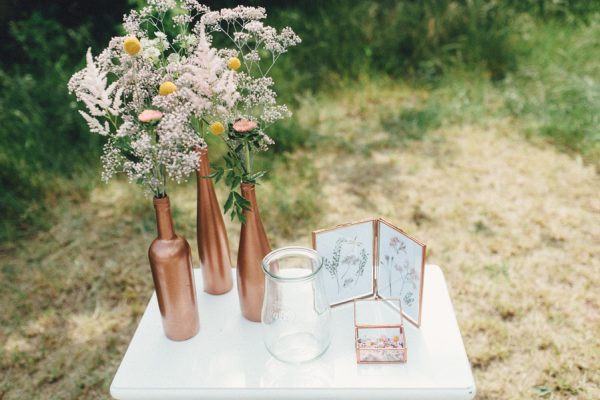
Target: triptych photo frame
x=372, y=258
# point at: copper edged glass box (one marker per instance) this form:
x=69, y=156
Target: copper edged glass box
x=379, y=331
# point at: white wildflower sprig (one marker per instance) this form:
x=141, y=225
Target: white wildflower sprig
x=253, y=48
x=249, y=37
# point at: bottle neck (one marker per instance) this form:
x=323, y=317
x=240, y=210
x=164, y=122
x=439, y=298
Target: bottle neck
x=204, y=169
x=249, y=193
x=164, y=221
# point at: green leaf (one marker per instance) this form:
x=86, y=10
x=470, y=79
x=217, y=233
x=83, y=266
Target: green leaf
x=228, y=202
x=243, y=202
x=212, y=175
x=254, y=177
x=219, y=176
x=229, y=178
x=240, y=214
x=242, y=219
x=229, y=161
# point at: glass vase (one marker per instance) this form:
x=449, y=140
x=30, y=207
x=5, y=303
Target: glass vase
x=296, y=317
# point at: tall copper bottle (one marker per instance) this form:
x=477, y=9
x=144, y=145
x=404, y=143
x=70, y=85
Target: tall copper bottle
x=213, y=245
x=254, y=246
x=171, y=263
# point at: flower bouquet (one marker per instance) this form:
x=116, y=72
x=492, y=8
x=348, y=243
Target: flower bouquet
x=155, y=93
x=254, y=50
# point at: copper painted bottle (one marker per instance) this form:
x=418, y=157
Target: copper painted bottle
x=254, y=246
x=213, y=245
x=171, y=263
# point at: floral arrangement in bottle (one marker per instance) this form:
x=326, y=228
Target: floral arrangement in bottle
x=156, y=91
x=253, y=50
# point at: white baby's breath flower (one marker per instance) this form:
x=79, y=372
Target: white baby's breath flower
x=112, y=160
x=210, y=18
x=173, y=58
x=226, y=54
x=182, y=19
x=186, y=41
x=151, y=53
x=161, y=42
x=127, y=128
x=243, y=13
x=252, y=56
x=132, y=22
x=265, y=140
x=241, y=37
x=254, y=26
x=162, y=6
x=275, y=113
x=194, y=5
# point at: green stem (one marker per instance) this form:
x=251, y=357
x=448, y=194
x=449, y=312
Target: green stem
x=198, y=126
x=201, y=126
x=248, y=159
x=233, y=153
x=164, y=176
x=159, y=169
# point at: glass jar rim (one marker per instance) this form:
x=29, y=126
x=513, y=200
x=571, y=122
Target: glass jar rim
x=290, y=251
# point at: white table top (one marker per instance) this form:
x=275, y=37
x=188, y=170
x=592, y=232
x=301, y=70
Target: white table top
x=227, y=359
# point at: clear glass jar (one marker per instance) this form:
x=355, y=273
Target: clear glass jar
x=296, y=317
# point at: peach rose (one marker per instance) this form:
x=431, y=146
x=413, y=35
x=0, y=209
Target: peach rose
x=149, y=115
x=243, y=125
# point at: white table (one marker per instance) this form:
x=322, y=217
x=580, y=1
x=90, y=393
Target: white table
x=227, y=359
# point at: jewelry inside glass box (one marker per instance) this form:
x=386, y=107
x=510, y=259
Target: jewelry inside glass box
x=379, y=331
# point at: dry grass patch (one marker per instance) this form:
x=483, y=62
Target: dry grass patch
x=516, y=228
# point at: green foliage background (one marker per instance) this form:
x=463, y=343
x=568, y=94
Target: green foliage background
x=539, y=54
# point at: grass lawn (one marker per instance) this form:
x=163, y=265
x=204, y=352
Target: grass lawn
x=513, y=222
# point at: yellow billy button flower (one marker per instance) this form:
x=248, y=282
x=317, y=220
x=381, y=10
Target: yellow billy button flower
x=216, y=128
x=167, y=88
x=234, y=63
x=132, y=46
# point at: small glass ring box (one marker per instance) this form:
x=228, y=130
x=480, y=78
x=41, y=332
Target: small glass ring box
x=379, y=331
